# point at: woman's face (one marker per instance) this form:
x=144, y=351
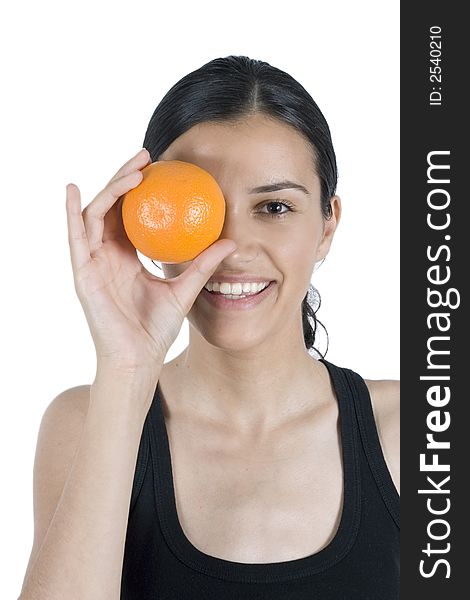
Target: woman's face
x=275, y=242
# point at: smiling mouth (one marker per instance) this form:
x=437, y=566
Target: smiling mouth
x=237, y=290
x=233, y=301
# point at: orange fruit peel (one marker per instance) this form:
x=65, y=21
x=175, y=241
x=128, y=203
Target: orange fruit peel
x=175, y=213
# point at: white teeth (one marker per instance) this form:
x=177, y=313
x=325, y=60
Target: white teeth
x=225, y=288
x=236, y=289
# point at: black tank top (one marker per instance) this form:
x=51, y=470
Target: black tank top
x=360, y=563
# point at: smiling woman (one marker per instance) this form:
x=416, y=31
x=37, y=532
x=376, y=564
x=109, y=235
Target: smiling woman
x=274, y=213
x=248, y=466
x=230, y=91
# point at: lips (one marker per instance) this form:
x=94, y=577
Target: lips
x=248, y=302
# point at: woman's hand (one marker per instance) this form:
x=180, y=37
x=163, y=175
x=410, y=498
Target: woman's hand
x=134, y=317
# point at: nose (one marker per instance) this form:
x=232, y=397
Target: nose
x=238, y=230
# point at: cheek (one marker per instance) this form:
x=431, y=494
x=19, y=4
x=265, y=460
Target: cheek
x=296, y=252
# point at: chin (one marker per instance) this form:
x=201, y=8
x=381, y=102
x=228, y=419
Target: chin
x=231, y=339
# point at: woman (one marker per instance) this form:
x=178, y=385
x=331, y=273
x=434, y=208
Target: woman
x=245, y=467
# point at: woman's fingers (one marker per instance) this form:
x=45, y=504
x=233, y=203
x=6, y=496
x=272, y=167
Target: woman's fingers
x=78, y=241
x=101, y=217
x=188, y=284
x=94, y=213
x=137, y=162
x=113, y=227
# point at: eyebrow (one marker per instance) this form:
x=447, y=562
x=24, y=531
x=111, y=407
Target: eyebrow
x=280, y=185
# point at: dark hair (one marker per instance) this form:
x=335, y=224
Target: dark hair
x=230, y=88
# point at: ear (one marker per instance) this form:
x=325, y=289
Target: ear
x=329, y=228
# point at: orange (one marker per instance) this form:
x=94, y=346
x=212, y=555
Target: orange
x=176, y=211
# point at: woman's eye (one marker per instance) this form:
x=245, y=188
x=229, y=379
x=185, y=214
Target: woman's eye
x=275, y=208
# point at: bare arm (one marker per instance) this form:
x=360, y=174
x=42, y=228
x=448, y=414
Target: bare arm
x=134, y=318
x=80, y=554
x=58, y=438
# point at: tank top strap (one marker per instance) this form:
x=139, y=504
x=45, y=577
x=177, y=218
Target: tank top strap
x=371, y=443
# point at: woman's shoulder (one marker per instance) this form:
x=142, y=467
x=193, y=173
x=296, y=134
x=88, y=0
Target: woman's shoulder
x=385, y=395
x=61, y=427
x=60, y=430
x=72, y=402
x=385, y=398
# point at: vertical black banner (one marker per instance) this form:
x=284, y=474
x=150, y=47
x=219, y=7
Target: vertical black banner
x=435, y=233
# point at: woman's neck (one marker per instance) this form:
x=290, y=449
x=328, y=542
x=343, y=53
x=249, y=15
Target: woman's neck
x=255, y=389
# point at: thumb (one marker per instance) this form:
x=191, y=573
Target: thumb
x=188, y=284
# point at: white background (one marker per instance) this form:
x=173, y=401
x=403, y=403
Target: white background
x=80, y=83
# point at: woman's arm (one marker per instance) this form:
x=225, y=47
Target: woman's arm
x=134, y=318
x=385, y=396
x=79, y=540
